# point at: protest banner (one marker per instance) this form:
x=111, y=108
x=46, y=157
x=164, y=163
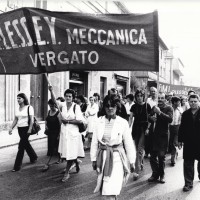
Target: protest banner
x=34, y=41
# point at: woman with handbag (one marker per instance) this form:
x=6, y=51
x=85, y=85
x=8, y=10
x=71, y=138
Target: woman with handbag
x=24, y=123
x=111, y=148
x=70, y=142
x=52, y=130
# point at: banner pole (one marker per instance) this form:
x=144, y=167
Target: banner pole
x=52, y=93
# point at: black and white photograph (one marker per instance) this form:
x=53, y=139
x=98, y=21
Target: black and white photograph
x=99, y=100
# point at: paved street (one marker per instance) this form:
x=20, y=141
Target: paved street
x=32, y=184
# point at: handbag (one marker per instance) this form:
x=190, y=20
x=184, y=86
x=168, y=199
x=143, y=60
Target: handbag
x=82, y=126
x=36, y=127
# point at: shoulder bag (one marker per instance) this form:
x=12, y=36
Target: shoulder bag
x=36, y=127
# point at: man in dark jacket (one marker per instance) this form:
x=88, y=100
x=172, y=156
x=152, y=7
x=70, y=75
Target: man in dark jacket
x=189, y=137
x=159, y=138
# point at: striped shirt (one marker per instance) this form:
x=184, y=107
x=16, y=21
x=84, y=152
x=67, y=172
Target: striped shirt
x=108, y=129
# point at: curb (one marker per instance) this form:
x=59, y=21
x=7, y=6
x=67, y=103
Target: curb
x=10, y=145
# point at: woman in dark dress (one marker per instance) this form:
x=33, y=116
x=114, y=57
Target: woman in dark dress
x=139, y=113
x=52, y=130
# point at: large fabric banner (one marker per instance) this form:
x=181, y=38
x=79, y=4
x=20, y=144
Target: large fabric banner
x=178, y=90
x=34, y=41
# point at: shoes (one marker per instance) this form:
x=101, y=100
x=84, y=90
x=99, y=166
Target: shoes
x=77, y=168
x=162, y=180
x=187, y=188
x=153, y=179
x=33, y=161
x=135, y=176
x=45, y=168
x=65, y=177
x=15, y=170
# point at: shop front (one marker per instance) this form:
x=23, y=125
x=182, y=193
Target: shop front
x=79, y=82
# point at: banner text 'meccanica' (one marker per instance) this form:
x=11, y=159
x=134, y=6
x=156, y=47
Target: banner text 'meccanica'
x=16, y=34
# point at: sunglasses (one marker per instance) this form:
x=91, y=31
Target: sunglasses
x=112, y=105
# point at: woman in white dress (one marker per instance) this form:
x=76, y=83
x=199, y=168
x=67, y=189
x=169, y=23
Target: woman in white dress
x=91, y=115
x=70, y=143
x=111, y=145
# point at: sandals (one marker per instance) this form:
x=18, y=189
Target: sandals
x=65, y=177
x=45, y=168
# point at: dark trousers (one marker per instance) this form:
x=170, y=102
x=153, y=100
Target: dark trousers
x=157, y=162
x=188, y=170
x=173, y=141
x=24, y=145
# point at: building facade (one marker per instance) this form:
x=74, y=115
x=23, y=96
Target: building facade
x=36, y=86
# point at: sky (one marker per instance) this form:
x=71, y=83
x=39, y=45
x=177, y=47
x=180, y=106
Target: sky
x=179, y=28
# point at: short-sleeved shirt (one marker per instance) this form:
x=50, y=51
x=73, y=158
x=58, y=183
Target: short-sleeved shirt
x=22, y=115
x=140, y=114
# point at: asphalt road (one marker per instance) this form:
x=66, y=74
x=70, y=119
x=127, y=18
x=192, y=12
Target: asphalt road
x=32, y=184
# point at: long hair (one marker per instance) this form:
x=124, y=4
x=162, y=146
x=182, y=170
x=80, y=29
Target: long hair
x=140, y=91
x=22, y=95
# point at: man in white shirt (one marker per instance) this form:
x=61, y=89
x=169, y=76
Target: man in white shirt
x=174, y=127
x=153, y=101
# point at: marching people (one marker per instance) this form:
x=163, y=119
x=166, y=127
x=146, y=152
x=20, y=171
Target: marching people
x=152, y=101
x=108, y=156
x=188, y=138
x=139, y=113
x=70, y=143
x=169, y=98
x=91, y=116
x=173, y=129
x=160, y=135
x=129, y=103
x=80, y=100
x=24, y=124
x=184, y=103
x=98, y=101
x=52, y=130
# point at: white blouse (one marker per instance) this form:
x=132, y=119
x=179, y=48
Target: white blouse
x=22, y=115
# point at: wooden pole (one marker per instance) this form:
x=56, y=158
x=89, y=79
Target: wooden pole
x=52, y=93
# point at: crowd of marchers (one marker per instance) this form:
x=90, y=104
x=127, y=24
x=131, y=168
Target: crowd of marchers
x=120, y=132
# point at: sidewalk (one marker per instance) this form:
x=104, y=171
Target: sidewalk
x=9, y=140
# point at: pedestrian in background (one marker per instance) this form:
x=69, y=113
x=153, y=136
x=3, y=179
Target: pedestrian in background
x=52, y=130
x=152, y=101
x=139, y=113
x=189, y=138
x=184, y=104
x=24, y=124
x=129, y=103
x=173, y=129
x=80, y=100
x=70, y=143
x=91, y=116
x=99, y=102
x=160, y=137
x=108, y=156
